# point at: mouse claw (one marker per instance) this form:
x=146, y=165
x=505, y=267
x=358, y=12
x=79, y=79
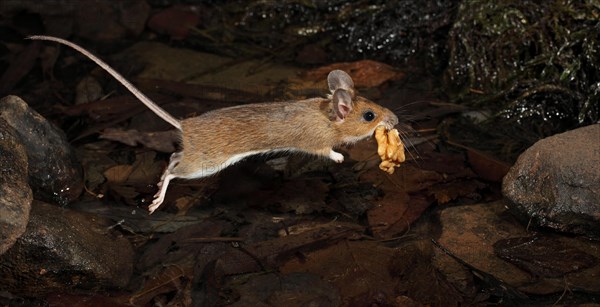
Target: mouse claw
x=154, y=205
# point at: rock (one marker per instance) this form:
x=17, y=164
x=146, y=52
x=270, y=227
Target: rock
x=15, y=194
x=63, y=250
x=556, y=182
x=483, y=235
x=54, y=173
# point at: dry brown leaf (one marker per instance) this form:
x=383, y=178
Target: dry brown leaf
x=355, y=267
x=128, y=193
x=163, y=141
x=118, y=173
x=176, y=21
x=486, y=166
x=445, y=192
x=184, y=204
x=171, y=278
x=145, y=169
x=364, y=73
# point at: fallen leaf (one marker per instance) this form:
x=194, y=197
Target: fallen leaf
x=102, y=108
x=364, y=73
x=84, y=300
x=145, y=168
x=420, y=280
x=171, y=278
x=543, y=256
x=355, y=267
x=184, y=204
x=88, y=89
x=273, y=253
x=395, y=213
x=176, y=21
x=445, y=192
x=206, y=93
x=118, y=173
x=487, y=167
x=163, y=141
x=291, y=196
x=128, y=193
x=19, y=67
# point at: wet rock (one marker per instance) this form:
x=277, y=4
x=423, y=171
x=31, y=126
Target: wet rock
x=15, y=194
x=63, y=250
x=54, y=173
x=481, y=236
x=556, y=182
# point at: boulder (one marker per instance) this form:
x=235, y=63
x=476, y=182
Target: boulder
x=55, y=175
x=62, y=250
x=556, y=182
x=15, y=194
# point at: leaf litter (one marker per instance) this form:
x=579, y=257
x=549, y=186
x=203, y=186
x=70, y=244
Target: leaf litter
x=295, y=197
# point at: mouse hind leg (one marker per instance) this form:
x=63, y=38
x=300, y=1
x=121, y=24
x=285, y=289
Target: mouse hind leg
x=166, y=177
x=173, y=161
x=178, y=168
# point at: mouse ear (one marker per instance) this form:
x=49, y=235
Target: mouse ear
x=342, y=103
x=338, y=79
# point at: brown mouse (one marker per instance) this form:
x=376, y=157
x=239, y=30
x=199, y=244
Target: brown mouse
x=217, y=139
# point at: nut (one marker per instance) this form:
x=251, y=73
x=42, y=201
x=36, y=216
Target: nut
x=390, y=148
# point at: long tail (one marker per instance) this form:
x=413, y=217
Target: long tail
x=143, y=98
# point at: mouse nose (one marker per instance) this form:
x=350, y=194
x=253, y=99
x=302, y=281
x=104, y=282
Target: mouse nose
x=392, y=120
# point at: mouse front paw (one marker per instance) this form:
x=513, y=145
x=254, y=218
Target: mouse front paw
x=336, y=156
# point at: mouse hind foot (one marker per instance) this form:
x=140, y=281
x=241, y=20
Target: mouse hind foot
x=163, y=184
x=160, y=195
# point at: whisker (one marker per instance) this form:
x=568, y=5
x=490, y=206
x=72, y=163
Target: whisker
x=404, y=131
x=404, y=106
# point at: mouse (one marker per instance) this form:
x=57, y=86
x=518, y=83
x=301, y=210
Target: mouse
x=220, y=138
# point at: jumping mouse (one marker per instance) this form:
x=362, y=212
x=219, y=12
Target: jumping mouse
x=217, y=139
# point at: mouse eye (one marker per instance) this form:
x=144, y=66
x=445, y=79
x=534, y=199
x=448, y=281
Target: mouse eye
x=369, y=116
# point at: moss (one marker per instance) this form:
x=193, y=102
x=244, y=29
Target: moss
x=535, y=64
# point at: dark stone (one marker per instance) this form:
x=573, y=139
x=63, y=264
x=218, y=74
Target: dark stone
x=556, y=182
x=63, y=250
x=54, y=173
x=15, y=194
